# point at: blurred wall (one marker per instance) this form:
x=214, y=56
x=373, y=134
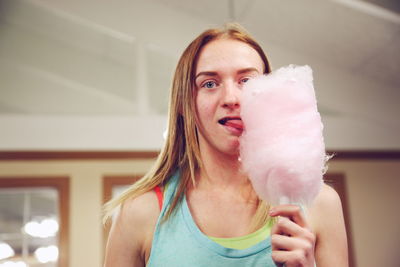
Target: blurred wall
x=373, y=196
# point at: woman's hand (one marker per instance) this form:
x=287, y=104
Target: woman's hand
x=292, y=240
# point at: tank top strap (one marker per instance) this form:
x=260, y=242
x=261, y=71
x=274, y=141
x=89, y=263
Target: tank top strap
x=169, y=191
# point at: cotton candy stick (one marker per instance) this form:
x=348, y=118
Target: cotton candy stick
x=282, y=148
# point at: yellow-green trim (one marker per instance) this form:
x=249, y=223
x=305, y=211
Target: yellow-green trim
x=243, y=242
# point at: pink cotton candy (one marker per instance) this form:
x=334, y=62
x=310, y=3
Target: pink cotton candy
x=282, y=148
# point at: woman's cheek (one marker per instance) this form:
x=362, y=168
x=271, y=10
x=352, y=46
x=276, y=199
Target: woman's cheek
x=205, y=108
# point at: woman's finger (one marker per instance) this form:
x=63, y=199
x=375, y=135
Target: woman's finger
x=284, y=226
x=292, y=240
x=293, y=212
x=293, y=258
x=282, y=242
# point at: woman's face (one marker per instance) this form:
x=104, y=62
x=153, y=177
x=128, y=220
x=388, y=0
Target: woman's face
x=224, y=65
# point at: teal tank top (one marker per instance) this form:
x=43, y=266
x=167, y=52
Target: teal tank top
x=178, y=242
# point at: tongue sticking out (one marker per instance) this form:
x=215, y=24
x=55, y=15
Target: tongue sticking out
x=232, y=122
x=235, y=124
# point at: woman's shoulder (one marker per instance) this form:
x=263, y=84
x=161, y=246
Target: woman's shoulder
x=133, y=227
x=328, y=197
x=326, y=211
x=141, y=211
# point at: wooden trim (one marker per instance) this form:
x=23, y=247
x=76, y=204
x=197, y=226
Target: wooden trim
x=106, y=155
x=338, y=182
x=365, y=155
x=62, y=186
x=109, y=182
x=76, y=155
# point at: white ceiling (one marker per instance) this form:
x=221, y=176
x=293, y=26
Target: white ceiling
x=93, y=66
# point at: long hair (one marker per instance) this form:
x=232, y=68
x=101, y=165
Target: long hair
x=181, y=149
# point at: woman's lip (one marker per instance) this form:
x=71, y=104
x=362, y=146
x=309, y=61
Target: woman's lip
x=233, y=130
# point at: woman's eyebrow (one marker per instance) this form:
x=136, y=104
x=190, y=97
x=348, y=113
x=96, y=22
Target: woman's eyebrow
x=206, y=73
x=213, y=73
x=247, y=70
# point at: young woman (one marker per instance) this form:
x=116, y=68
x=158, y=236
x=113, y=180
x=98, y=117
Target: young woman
x=196, y=207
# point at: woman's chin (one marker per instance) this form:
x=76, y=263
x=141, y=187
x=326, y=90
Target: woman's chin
x=234, y=149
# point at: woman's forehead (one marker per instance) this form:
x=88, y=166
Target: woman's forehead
x=228, y=53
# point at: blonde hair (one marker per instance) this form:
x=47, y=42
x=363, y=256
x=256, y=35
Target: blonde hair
x=181, y=149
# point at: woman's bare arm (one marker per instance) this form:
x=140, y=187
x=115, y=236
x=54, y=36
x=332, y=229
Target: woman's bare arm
x=327, y=219
x=131, y=234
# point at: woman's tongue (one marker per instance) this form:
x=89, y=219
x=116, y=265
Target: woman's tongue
x=235, y=123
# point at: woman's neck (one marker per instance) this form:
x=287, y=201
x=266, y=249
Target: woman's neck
x=221, y=170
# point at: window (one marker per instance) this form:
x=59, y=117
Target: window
x=34, y=221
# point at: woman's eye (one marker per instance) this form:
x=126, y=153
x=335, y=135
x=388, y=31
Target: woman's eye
x=244, y=80
x=209, y=84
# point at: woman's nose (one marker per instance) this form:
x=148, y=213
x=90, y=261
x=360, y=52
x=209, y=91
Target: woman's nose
x=232, y=94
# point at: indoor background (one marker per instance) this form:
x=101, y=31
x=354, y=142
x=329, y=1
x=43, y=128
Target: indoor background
x=84, y=95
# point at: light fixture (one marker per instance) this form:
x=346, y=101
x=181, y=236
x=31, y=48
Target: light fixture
x=45, y=228
x=47, y=254
x=13, y=264
x=6, y=251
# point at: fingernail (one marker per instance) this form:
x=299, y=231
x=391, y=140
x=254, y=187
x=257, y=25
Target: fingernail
x=271, y=212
